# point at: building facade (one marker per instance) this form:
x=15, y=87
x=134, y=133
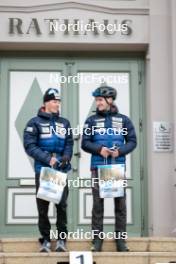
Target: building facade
x=38, y=50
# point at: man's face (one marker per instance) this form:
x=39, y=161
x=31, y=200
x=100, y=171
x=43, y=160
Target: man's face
x=101, y=103
x=52, y=106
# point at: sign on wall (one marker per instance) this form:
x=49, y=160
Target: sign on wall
x=162, y=136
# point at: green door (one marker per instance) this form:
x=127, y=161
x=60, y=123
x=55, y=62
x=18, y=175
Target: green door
x=125, y=76
x=23, y=82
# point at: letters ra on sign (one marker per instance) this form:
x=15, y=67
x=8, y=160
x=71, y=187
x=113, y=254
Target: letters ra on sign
x=162, y=136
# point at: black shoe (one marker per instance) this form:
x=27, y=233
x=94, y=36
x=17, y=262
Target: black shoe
x=61, y=246
x=97, y=245
x=121, y=245
x=41, y=240
x=46, y=247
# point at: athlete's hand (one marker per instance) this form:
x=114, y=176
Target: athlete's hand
x=53, y=161
x=105, y=152
x=64, y=162
x=115, y=153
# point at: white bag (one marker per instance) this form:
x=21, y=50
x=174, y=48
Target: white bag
x=111, y=178
x=52, y=183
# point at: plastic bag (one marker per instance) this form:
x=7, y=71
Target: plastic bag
x=111, y=179
x=52, y=183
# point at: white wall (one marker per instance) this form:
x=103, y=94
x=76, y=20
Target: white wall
x=160, y=108
x=173, y=66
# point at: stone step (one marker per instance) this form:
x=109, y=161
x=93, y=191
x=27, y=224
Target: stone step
x=98, y=258
x=138, y=244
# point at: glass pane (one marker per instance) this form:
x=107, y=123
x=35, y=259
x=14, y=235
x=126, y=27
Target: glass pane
x=26, y=92
x=85, y=205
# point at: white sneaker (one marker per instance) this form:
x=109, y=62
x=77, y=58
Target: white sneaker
x=46, y=247
x=60, y=246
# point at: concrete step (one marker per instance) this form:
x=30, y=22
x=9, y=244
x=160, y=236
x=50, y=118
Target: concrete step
x=138, y=244
x=98, y=258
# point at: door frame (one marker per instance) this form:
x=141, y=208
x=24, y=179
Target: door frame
x=68, y=65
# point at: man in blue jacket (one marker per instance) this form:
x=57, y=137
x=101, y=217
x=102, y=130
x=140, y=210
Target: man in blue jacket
x=107, y=135
x=50, y=146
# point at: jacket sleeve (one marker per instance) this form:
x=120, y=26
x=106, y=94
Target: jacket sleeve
x=130, y=138
x=30, y=142
x=87, y=143
x=68, y=148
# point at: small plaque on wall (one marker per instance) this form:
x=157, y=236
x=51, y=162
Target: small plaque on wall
x=162, y=136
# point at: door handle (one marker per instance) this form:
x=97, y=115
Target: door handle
x=77, y=154
x=77, y=137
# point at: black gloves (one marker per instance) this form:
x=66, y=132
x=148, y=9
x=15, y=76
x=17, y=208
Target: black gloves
x=64, y=161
